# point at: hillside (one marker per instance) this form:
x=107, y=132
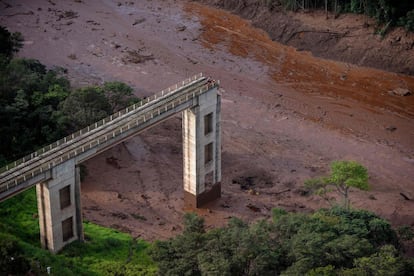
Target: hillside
x=351, y=38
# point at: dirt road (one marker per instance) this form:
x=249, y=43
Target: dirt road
x=285, y=114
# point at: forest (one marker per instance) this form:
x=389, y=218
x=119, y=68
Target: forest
x=391, y=13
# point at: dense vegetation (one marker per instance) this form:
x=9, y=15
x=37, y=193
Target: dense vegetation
x=38, y=105
x=329, y=242
x=384, y=11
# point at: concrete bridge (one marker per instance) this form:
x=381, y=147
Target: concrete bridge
x=55, y=172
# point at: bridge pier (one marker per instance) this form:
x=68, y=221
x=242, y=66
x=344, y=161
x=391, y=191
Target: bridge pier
x=55, y=166
x=202, y=150
x=59, y=207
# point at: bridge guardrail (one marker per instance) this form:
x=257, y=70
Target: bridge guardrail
x=91, y=127
x=101, y=138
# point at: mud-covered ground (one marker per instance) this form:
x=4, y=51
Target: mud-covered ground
x=285, y=114
x=343, y=37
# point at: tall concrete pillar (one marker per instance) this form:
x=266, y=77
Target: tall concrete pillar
x=59, y=209
x=202, y=150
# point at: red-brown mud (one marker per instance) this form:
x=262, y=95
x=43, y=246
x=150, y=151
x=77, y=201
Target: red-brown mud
x=285, y=114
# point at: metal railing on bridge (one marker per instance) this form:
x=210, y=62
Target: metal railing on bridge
x=91, y=136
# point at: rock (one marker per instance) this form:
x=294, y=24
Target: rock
x=136, y=57
x=403, y=92
x=405, y=195
x=119, y=215
x=180, y=28
x=138, y=21
x=253, y=208
x=252, y=192
x=391, y=128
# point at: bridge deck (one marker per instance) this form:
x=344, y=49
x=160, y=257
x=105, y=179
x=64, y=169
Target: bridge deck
x=16, y=176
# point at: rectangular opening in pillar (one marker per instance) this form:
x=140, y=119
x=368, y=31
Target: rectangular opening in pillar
x=208, y=153
x=64, y=196
x=208, y=123
x=67, y=229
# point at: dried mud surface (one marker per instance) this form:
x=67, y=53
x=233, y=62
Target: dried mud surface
x=285, y=114
x=344, y=37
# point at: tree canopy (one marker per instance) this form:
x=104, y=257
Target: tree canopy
x=328, y=242
x=344, y=175
x=39, y=106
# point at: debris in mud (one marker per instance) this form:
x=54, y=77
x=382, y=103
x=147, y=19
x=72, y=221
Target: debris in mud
x=145, y=197
x=302, y=192
x=252, y=192
x=253, y=207
x=93, y=208
x=180, y=28
x=20, y=13
x=244, y=182
x=136, y=57
x=403, y=92
x=293, y=206
x=391, y=128
x=225, y=205
x=119, y=215
x=93, y=22
x=405, y=196
x=372, y=197
x=248, y=182
x=72, y=56
x=138, y=217
x=278, y=193
x=113, y=162
x=192, y=60
x=66, y=15
x=138, y=21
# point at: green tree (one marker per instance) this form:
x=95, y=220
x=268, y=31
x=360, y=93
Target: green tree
x=85, y=106
x=12, y=261
x=344, y=175
x=10, y=43
x=327, y=242
x=178, y=256
x=328, y=270
x=29, y=102
x=386, y=262
x=193, y=223
x=119, y=95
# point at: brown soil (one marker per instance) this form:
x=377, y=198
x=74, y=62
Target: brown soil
x=285, y=114
x=344, y=37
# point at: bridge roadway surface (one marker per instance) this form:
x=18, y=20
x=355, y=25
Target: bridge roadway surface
x=81, y=145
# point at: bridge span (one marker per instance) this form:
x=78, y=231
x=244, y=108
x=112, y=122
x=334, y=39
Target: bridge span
x=55, y=173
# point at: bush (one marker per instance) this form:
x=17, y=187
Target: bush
x=11, y=256
x=408, y=21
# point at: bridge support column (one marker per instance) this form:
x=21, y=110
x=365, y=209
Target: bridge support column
x=202, y=150
x=59, y=208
